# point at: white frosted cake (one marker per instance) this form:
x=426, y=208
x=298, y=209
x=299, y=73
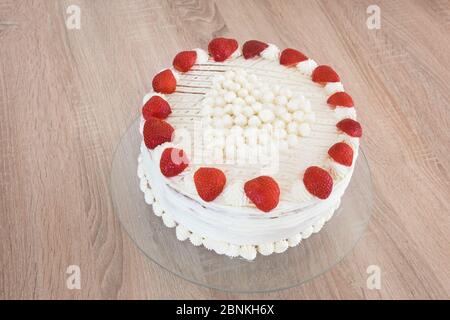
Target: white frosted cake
x=248, y=149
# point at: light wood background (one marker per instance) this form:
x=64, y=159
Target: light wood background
x=67, y=96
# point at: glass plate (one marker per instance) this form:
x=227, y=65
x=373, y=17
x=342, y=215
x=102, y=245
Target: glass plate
x=312, y=257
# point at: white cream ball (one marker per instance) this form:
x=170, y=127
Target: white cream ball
x=243, y=93
x=229, y=96
x=298, y=115
x=227, y=121
x=228, y=108
x=235, y=87
x=250, y=100
x=236, y=109
x=267, y=127
x=240, y=120
x=292, y=127
x=266, y=115
x=268, y=97
x=293, y=105
x=248, y=111
x=239, y=101
x=219, y=111
x=257, y=107
x=287, y=117
x=279, y=124
x=280, y=133
x=219, y=102
x=254, y=121
x=281, y=100
x=256, y=93
x=227, y=84
x=304, y=129
x=236, y=130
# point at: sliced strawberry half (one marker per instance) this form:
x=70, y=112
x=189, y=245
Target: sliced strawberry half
x=222, y=48
x=164, y=82
x=324, y=74
x=350, y=127
x=253, y=48
x=209, y=183
x=173, y=161
x=264, y=192
x=341, y=153
x=184, y=60
x=156, y=132
x=291, y=57
x=342, y=99
x=318, y=182
x=156, y=107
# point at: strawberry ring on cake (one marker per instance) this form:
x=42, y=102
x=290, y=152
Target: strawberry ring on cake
x=246, y=149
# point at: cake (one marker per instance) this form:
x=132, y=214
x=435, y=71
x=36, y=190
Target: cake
x=246, y=150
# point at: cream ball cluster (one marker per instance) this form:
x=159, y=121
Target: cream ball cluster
x=240, y=106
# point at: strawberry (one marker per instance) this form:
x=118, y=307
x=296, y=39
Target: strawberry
x=156, y=107
x=164, y=82
x=341, y=153
x=156, y=132
x=173, y=162
x=253, y=48
x=290, y=57
x=323, y=74
x=184, y=60
x=342, y=99
x=209, y=183
x=222, y=48
x=350, y=127
x=264, y=192
x=318, y=182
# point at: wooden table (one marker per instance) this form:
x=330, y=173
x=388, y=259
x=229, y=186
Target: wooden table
x=67, y=96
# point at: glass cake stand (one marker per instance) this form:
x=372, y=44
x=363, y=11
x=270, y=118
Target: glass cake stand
x=312, y=257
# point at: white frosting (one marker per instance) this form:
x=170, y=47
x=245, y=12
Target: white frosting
x=233, y=250
x=202, y=56
x=168, y=220
x=295, y=240
x=247, y=252
x=333, y=87
x=280, y=246
x=234, y=195
x=299, y=192
x=266, y=248
x=233, y=224
x=149, y=197
x=182, y=233
x=345, y=112
x=338, y=171
x=272, y=52
x=195, y=239
x=307, y=67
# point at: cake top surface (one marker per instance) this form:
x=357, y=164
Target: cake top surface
x=252, y=129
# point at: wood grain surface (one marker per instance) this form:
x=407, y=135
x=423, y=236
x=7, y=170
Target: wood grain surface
x=67, y=96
